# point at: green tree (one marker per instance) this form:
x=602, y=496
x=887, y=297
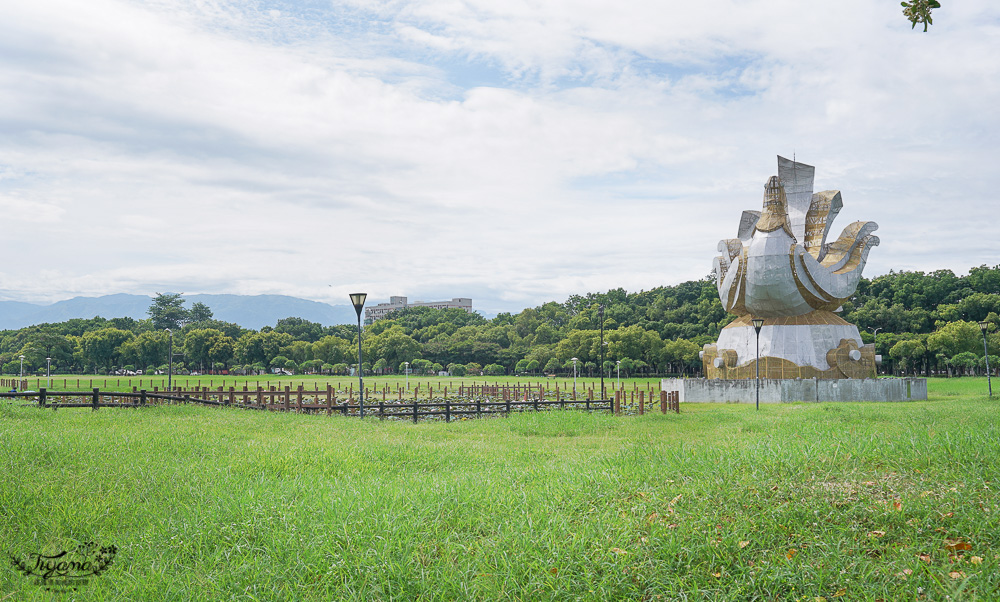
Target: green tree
x=167, y=311
x=393, y=345
x=332, y=349
x=908, y=354
x=198, y=313
x=494, y=370
x=261, y=346
x=206, y=345
x=148, y=348
x=301, y=329
x=954, y=338
x=103, y=347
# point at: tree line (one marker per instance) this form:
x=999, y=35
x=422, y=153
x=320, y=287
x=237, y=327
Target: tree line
x=919, y=322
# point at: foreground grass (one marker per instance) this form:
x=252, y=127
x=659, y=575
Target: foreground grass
x=842, y=501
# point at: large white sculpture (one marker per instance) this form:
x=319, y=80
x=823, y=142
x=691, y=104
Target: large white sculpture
x=782, y=269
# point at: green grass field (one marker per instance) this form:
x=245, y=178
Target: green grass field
x=854, y=501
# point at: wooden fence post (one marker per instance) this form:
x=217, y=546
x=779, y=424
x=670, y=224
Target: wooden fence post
x=94, y=401
x=142, y=397
x=663, y=402
x=41, y=397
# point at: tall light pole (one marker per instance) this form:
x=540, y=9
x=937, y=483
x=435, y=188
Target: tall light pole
x=574, y=378
x=875, y=342
x=758, y=323
x=407, y=370
x=22, y=367
x=48, y=371
x=618, y=365
x=358, y=299
x=170, y=362
x=600, y=313
x=984, y=326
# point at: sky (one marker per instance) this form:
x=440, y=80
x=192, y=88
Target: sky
x=514, y=152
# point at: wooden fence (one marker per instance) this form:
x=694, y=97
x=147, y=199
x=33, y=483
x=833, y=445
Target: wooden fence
x=467, y=404
x=420, y=388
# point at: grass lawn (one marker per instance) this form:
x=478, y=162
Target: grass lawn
x=852, y=501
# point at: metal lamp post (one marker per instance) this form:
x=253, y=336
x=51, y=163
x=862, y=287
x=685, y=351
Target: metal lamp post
x=170, y=362
x=984, y=326
x=22, y=367
x=875, y=342
x=48, y=371
x=618, y=366
x=407, y=371
x=574, y=378
x=600, y=313
x=758, y=323
x=358, y=299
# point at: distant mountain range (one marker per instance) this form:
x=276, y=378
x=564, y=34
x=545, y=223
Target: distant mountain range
x=249, y=311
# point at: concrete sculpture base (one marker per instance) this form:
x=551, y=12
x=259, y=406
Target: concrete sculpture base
x=819, y=344
x=774, y=390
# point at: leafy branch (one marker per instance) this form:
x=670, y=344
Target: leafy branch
x=919, y=11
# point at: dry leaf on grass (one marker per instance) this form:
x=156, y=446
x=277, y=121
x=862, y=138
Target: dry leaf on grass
x=744, y=544
x=791, y=553
x=957, y=545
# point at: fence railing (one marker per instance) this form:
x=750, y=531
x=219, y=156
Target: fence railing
x=329, y=401
x=417, y=388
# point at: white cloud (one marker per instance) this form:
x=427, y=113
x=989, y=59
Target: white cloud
x=271, y=148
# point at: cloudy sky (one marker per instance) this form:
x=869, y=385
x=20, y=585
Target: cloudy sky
x=514, y=152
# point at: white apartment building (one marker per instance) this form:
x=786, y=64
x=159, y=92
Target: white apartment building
x=381, y=310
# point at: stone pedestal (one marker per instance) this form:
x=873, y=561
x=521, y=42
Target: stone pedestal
x=702, y=390
x=818, y=344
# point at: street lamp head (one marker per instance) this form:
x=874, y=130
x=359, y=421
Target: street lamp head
x=758, y=323
x=22, y=357
x=984, y=326
x=358, y=299
x=572, y=358
x=618, y=362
